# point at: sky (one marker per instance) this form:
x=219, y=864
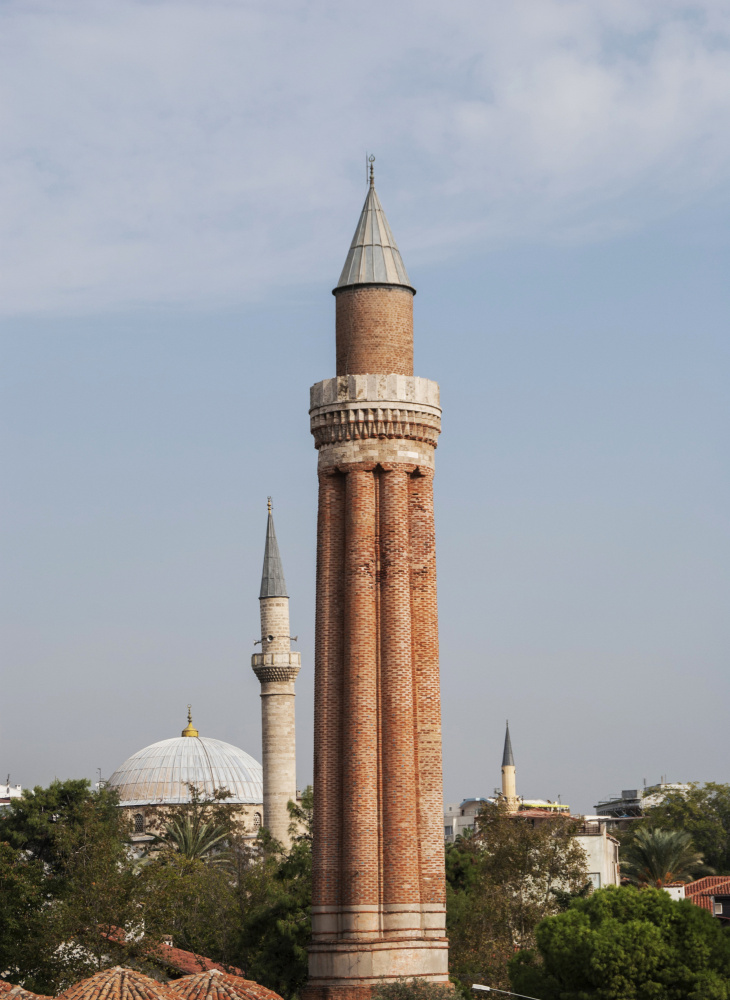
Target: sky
x=179, y=184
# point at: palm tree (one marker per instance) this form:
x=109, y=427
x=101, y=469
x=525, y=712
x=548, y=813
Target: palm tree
x=656, y=857
x=194, y=839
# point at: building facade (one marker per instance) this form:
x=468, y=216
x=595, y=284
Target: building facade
x=378, y=910
x=601, y=850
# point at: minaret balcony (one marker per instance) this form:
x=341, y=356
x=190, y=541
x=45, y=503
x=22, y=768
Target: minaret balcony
x=280, y=667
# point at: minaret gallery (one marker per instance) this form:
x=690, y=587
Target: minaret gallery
x=276, y=667
x=378, y=910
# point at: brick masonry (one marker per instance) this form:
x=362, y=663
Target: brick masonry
x=378, y=867
x=374, y=329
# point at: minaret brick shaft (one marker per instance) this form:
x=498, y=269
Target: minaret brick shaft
x=276, y=667
x=378, y=909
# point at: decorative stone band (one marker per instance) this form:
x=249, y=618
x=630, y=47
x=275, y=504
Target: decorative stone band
x=370, y=408
x=280, y=667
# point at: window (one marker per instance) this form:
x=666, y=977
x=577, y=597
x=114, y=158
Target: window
x=595, y=879
x=448, y=831
x=256, y=820
x=138, y=823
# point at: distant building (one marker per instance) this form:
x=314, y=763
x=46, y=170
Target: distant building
x=601, y=848
x=712, y=893
x=459, y=818
x=620, y=810
x=8, y=792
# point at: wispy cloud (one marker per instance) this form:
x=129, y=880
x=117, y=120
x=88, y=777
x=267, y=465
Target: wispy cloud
x=186, y=152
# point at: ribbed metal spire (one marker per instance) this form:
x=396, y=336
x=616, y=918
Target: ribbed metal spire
x=272, y=578
x=374, y=257
x=508, y=759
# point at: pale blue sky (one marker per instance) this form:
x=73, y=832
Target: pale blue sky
x=178, y=187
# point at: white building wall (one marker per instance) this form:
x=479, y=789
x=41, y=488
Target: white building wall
x=601, y=857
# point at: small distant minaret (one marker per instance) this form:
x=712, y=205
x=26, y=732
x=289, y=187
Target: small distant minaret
x=276, y=667
x=509, y=786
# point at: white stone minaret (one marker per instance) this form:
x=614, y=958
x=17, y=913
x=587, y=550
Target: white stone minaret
x=509, y=783
x=276, y=667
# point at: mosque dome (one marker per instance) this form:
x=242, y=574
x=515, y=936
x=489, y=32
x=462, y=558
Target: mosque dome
x=161, y=773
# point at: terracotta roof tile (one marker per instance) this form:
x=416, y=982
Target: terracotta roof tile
x=8, y=990
x=117, y=984
x=215, y=985
x=707, y=884
x=186, y=961
x=701, y=891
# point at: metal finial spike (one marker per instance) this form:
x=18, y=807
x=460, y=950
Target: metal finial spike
x=270, y=504
x=190, y=729
x=371, y=160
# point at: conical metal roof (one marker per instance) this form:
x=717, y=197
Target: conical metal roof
x=272, y=578
x=374, y=257
x=508, y=759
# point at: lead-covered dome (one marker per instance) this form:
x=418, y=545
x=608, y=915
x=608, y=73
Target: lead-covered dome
x=161, y=773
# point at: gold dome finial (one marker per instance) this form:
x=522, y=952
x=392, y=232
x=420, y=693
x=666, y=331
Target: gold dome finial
x=190, y=729
x=271, y=506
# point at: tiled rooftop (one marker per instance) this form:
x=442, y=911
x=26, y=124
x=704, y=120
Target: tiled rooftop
x=702, y=885
x=117, y=984
x=702, y=890
x=215, y=985
x=18, y=993
x=186, y=962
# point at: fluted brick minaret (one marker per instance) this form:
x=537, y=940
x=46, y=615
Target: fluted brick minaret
x=276, y=667
x=378, y=909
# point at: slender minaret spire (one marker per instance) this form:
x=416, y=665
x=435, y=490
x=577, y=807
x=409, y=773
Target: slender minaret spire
x=276, y=668
x=378, y=885
x=509, y=788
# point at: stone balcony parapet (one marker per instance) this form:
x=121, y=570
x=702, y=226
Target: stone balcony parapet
x=355, y=408
x=376, y=390
x=281, y=667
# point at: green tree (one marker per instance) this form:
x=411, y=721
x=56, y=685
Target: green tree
x=28, y=939
x=35, y=821
x=191, y=901
x=413, y=989
x=194, y=839
x=70, y=885
x=275, y=898
x=626, y=944
x=704, y=813
x=503, y=881
x=657, y=857
x=188, y=877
